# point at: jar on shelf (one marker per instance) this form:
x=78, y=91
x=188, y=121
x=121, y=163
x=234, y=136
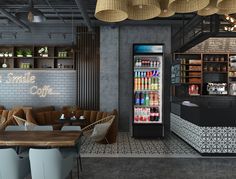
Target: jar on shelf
x=205, y=68
x=217, y=59
x=210, y=68
x=223, y=68
x=222, y=59
x=211, y=59
x=218, y=68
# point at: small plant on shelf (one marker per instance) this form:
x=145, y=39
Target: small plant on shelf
x=28, y=53
x=19, y=53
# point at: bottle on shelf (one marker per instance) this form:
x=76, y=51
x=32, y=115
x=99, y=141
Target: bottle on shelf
x=142, y=99
x=137, y=98
x=147, y=102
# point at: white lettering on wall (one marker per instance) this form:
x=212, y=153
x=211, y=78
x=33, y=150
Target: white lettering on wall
x=27, y=78
x=43, y=91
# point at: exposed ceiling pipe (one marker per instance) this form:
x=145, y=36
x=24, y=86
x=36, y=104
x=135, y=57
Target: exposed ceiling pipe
x=81, y=7
x=50, y=5
x=15, y=20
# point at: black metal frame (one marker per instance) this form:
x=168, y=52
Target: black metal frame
x=147, y=130
x=197, y=30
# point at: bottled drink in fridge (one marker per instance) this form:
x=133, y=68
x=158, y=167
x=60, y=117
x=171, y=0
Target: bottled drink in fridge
x=137, y=98
x=141, y=99
x=147, y=99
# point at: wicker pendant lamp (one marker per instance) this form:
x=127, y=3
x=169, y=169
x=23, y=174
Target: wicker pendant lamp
x=186, y=6
x=226, y=6
x=143, y=9
x=111, y=10
x=210, y=9
x=165, y=10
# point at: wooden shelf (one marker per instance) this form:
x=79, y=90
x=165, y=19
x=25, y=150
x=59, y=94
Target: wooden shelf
x=39, y=62
x=192, y=64
x=215, y=72
x=191, y=70
x=215, y=62
x=191, y=76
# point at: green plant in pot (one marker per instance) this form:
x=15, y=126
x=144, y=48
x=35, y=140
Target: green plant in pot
x=19, y=53
x=28, y=53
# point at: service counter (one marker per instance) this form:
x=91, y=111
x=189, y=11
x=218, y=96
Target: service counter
x=210, y=127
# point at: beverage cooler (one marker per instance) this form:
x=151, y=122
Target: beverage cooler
x=147, y=120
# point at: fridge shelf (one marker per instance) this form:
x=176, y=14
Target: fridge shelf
x=146, y=68
x=147, y=122
x=142, y=106
x=156, y=91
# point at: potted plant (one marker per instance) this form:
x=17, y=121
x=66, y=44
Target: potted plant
x=6, y=54
x=19, y=53
x=28, y=53
x=10, y=54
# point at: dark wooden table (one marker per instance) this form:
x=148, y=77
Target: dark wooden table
x=39, y=138
x=76, y=121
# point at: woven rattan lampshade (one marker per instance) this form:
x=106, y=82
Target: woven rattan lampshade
x=143, y=9
x=111, y=10
x=186, y=6
x=165, y=10
x=226, y=6
x=210, y=9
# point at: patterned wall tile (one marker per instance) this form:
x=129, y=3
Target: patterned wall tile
x=205, y=139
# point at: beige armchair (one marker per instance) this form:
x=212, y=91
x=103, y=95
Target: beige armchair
x=99, y=129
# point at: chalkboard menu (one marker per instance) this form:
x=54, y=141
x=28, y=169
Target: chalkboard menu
x=215, y=45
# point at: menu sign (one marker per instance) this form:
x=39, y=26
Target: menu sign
x=215, y=45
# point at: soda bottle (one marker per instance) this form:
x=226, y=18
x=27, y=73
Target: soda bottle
x=142, y=84
x=151, y=114
x=146, y=83
x=141, y=99
x=157, y=115
x=137, y=98
x=147, y=99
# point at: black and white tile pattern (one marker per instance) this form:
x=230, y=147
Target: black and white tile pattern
x=127, y=146
x=205, y=139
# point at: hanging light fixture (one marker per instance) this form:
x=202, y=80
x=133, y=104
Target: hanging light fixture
x=232, y=22
x=143, y=9
x=187, y=6
x=165, y=10
x=210, y=9
x=226, y=6
x=30, y=13
x=111, y=10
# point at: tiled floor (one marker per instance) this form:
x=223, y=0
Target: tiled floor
x=127, y=146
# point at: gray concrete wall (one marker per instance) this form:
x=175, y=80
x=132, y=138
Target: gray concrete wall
x=109, y=68
x=128, y=35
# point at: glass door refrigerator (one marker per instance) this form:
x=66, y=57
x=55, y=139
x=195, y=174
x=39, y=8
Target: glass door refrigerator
x=148, y=90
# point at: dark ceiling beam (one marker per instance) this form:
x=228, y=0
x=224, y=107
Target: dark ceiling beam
x=55, y=10
x=15, y=20
x=81, y=6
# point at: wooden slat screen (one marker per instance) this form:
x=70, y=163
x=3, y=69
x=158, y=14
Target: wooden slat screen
x=88, y=68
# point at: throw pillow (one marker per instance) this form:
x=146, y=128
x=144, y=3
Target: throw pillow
x=100, y=131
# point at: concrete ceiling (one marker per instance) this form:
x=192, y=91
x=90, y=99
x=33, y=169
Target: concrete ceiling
x=81, y=11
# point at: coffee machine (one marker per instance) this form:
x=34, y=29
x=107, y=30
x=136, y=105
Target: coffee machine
x=217, y=88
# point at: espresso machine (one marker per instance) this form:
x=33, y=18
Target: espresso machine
x=217, y=88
